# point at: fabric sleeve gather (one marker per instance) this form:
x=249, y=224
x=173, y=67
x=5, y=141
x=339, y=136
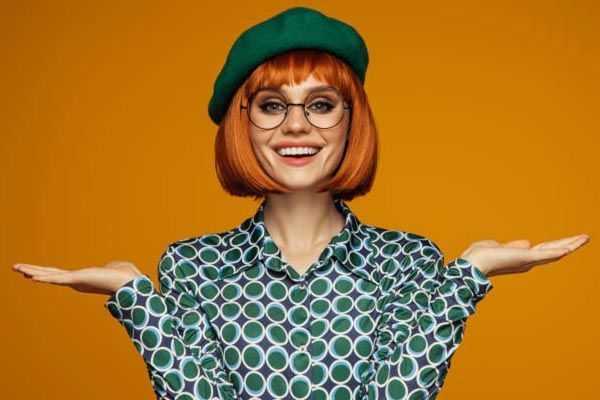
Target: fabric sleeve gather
x=172, y=333
x=420, y=327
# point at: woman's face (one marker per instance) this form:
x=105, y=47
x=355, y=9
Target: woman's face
x=304, y=173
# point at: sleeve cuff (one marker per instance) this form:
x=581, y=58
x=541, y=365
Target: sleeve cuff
x=133, y=292
x=478, y=282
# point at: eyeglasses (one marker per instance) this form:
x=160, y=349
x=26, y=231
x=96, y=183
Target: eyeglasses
x=323, y=108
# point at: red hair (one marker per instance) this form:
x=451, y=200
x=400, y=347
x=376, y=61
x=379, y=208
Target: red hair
x=239, y=171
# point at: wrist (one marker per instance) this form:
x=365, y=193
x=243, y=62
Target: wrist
x=124, y=280
x=476, y=263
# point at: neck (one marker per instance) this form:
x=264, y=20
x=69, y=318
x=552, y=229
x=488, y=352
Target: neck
x=302, y=220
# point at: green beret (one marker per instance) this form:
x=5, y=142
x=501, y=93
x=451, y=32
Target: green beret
x=294, y=28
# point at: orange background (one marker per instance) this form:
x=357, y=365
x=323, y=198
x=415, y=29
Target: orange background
x=488, y=121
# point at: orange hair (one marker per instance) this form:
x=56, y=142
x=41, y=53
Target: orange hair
x=239, y=171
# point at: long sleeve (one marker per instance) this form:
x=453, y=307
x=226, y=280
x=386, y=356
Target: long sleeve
x=172, y=333
x=421, y=325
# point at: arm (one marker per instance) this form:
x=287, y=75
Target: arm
x=421, y=326
x=172, y=333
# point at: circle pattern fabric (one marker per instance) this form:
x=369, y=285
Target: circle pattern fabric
x=376, y=316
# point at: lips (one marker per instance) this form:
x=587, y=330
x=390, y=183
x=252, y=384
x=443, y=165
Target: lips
x=299, y=155
x=291, y=143
x=297, y=160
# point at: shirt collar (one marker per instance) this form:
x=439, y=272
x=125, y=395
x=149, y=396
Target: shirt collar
x=352, y=247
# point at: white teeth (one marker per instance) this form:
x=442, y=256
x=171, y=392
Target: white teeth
x=287, y=151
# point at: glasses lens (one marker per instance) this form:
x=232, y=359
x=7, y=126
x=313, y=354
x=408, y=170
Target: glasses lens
x=323, y=108
x=267, y=109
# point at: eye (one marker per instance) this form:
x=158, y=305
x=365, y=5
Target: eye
x=272, y=107
x=323, y=106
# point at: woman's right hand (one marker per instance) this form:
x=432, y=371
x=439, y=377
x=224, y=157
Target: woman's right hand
x=101, y=280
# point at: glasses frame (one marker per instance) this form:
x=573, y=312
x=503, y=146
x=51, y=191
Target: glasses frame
x=287, y=108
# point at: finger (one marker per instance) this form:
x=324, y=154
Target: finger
x=560, y=242
x=548, y=259
x=60, y=278
x=543, y=255
x=38, y=270
x=487, y=242
x=29, y=274
x=31, y=267
x=573, y=243
x=577, y=243
x=522, y=243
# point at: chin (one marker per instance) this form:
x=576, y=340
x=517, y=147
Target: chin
x=299, y=184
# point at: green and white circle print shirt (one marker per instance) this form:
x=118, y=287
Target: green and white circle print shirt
x=377, y=316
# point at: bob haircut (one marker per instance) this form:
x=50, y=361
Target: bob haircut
x=238, y=170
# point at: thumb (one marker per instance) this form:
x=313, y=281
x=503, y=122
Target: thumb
x=521, y=243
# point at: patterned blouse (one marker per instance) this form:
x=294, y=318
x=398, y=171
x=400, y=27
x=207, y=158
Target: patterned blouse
x=377, y=316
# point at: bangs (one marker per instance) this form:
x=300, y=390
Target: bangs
x=293, y=67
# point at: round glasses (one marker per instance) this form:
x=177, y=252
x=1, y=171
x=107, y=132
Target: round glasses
x=268, y=108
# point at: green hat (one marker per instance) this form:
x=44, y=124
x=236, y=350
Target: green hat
x=294, y=28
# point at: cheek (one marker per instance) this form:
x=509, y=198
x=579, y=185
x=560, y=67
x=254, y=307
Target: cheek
x=260, y=148
x=339, y=142
x=256, y=142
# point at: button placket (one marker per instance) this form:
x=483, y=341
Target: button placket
x=306, y=347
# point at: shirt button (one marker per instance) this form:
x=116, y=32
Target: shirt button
x=302, y=285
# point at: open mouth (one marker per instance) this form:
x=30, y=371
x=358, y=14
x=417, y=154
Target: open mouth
x=297, y=156
x=301, y=155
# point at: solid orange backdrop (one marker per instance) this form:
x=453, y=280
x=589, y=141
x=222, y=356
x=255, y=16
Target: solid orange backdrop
x=488, y=122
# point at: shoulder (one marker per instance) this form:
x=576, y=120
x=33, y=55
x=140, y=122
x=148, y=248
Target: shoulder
x=198, y=247
x=201, y=256
x=397, y=243
x=403, y=256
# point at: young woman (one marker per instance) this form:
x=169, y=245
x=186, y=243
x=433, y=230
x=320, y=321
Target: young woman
x=301, y=300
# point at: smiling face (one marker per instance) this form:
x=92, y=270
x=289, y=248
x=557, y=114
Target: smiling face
x=296, y=132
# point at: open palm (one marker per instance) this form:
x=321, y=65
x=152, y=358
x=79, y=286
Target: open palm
x=494, y=258
x=102, y=280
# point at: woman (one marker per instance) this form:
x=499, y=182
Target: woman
x=301, y=300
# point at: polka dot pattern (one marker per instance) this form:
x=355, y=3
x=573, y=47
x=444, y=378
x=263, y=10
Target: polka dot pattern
x=376, y=316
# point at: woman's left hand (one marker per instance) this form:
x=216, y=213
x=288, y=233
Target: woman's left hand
x=493, y=258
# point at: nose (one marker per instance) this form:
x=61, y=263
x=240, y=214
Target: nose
x=296, y=120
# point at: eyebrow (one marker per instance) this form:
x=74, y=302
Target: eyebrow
x=310, y=89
